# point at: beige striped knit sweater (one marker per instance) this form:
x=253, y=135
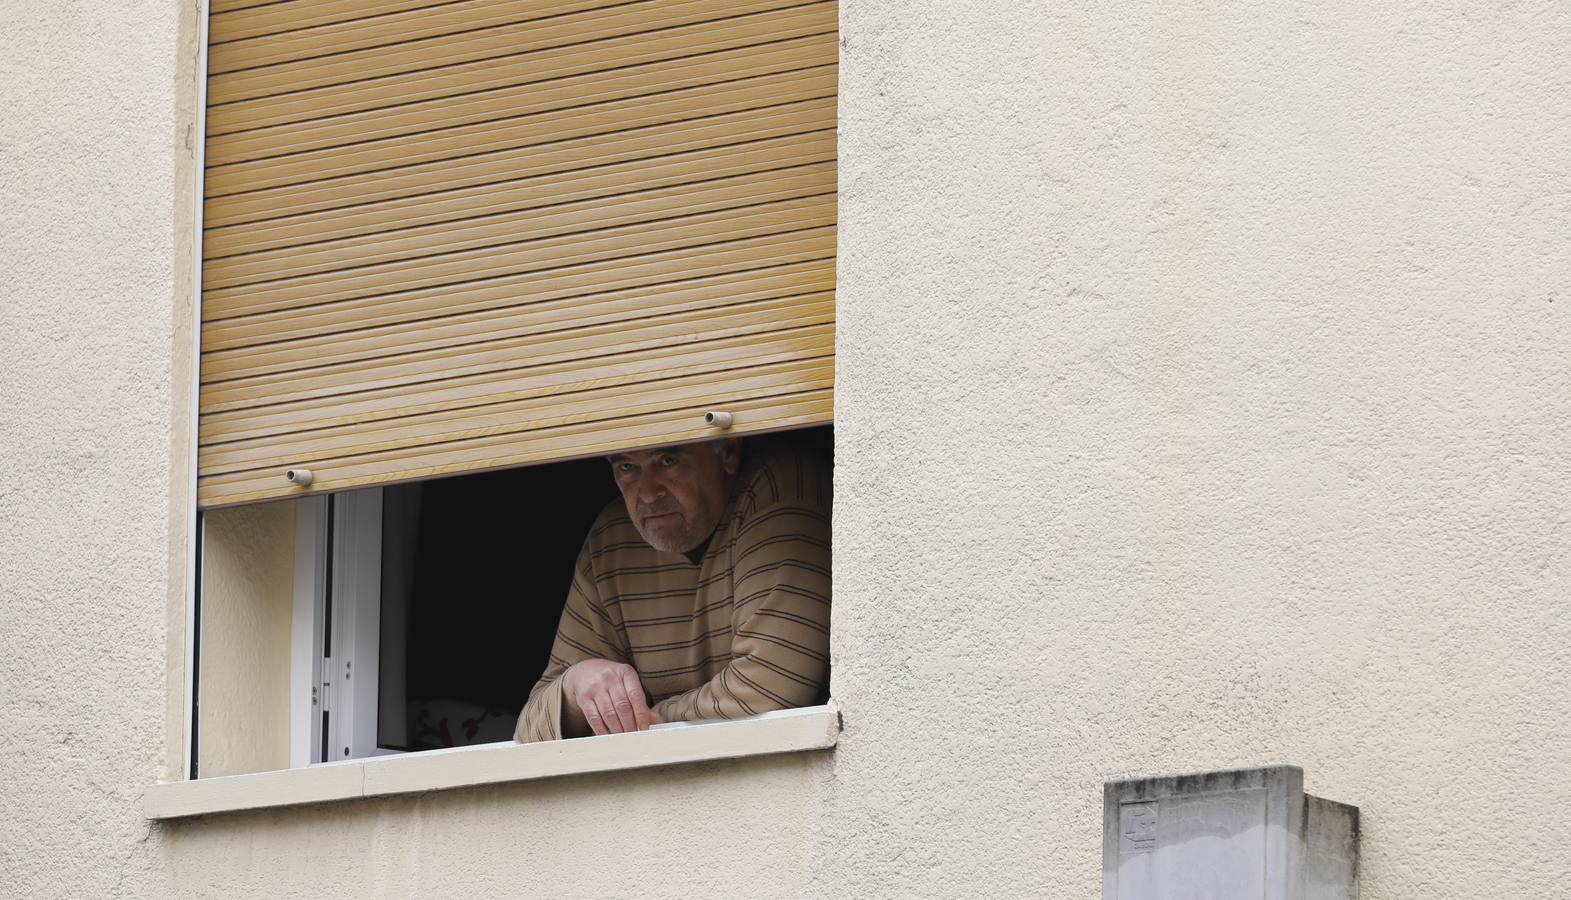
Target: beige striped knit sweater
x=745, y=630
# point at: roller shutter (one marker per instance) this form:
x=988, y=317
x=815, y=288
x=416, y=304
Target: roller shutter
x=444, y=237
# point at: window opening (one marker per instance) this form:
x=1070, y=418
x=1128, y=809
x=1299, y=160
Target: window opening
x=437, y=602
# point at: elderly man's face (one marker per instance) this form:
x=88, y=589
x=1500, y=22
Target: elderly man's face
x=676, y=495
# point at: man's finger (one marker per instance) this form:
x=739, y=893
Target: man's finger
x=586, y=705
x=622, y=707
x=611, y=721
x=635, y=693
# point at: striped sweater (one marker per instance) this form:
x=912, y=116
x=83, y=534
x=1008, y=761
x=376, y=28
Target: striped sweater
x=744, y=630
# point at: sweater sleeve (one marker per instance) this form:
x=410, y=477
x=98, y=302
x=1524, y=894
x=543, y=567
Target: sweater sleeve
x=780, y=645
x=585, y=631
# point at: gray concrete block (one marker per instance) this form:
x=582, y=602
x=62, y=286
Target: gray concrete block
x=1246, y=834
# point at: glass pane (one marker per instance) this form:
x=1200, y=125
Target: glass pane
x=474, y=574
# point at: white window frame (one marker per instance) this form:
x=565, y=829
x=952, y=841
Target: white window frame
x=337, y=601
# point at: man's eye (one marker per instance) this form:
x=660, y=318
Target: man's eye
x=667, y=460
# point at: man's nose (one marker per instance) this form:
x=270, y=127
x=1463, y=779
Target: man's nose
x=651, y=489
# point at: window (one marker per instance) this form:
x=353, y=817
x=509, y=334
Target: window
x=426, y=611
x=443, y=253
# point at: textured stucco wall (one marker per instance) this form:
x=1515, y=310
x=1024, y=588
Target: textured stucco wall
x=1203, y=402
x=88, y=143
x=1204, y=399
x=248, y=557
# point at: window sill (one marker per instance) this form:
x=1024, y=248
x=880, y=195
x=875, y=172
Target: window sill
x=812, y=728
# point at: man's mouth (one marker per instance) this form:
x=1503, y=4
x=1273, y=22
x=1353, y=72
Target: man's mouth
x=659, y=517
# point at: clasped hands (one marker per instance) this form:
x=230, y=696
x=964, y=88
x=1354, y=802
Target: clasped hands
x=604, y=697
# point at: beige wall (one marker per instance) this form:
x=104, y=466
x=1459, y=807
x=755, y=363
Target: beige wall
x=87, y=306
x=248, y=555
x=1203, y=401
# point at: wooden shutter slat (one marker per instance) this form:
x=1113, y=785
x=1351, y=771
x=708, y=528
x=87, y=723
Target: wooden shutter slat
x=418, y=372
x=314, y=229
x=447, y=238
x=573, y=441
x=604, y=246
x=512, y=102
x=523, y=131
x=583, y=217
x=519, y=415
x=296, y=15
x=379, y=30
x=481, y=170
x=585, y=284
x=519, y=69
x=749, y=318
x=584, y=281
x=471, y=46
x=468, y=391
x=513, y=321
x=222, y=6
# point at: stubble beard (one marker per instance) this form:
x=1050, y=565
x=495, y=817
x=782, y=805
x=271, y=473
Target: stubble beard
x=665, y=543
x=672, y=537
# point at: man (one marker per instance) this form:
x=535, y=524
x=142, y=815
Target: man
x=703, y=594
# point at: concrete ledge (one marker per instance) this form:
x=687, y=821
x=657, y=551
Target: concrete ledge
x=812, y=728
